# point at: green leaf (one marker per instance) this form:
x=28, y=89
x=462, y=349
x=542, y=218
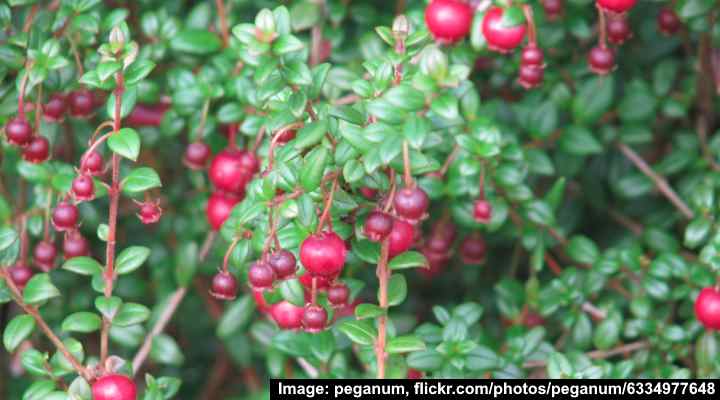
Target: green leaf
x=107, y=69
x=17, y=330
x=425, y=360
x=287, y=44
x=237, y=315
x=140, y=180
x=83, y=266
x=697, y=231
x=360, y=332
x=131, y=259
x=397, y=289
x=578, y=140
x=404, y=344
x=8, y=236
x=559, y=367
x=409, y=259
x=39, y=289
x=108, y=306
x=313, y=168
x=593, y=99
x=131, y=314
x=137, y=71
x=348, y=114
x=367, y=310
x=583, y=250
x=129, y=97
x=310, y=134
x=196, y=41
x=292, y=290
x=125, y=142
x=165, y=350
x=82, y=322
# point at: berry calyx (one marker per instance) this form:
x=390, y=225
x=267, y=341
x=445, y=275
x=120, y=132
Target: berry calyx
x=668, y=21
x=82, y=103
x=283, y=263
x=338, y=294
x=20, y=275
x=472, y=250
x=411, y=203
x=65, y=216
x=618, y=30
x=261, y=275
x=601, y=60
x=448, y=20
x=377, y=225
x=323, y=254
x=530, y=76
x=482, y=211
x=617, y=6
x=219, y=207
x=401, y=238
x=83, y=188
x=44, y=255
x=18, y=131
x=54, y=109
x=114, y=387
x=287, y=315
x=227, y=171
x=224, y=286
x=197, y=155
x=707, y=308
x=92, y=164
x=314, y=318
x=37, y=151
x=532, y=55
x=75, y=245
x=500, y=36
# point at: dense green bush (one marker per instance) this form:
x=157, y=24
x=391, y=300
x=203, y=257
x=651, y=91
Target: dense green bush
x=203, y=195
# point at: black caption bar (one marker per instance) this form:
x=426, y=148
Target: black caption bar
x=392, y=389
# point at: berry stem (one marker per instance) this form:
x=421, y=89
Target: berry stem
x=229, y=251
x=481, y=196
x=328, y=204
x=223, y=22
x=313, y=291
x=46, y=222
x=393, y=188
x=448, y=161
x=203, y=120
x=105, y=124
x=532, y=35
x=602, y=39
x=23, y=240
x=38, y=109
x=407, y=177
x=76, y=55
x=21, y=93
x=383, y=274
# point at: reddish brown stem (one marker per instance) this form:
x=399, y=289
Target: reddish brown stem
x=532, y=36
x=328, y=205
x=223, y=22
x=407, y=177
x=383, y=274
x=30, y=17
x=599, y=354
x=21, y=94
x=229, y=251
x=602, y=39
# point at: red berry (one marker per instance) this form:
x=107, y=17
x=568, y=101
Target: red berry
x=287, y=315
x=401, y=237
x=83, y=188
x=82, y=103
x=530, y=76
x=197, y=155
x=414, y=374
x=448, y=20
x=20, y=275
x=54, y=109
x=601, y=60
x=262, y=305
x=75, y=245
x=618, y=6
x=227, y=171
x=37, y=151
x=44, y=255
x=314, y=318
x=323, y=254
x=532, y=319
x=707, y=308
x=338, y=294
x=283, y=263
x=368, y=193
x=618, y=30
x=18, y=131
x=92, y=164
x=114, y=387
x=436, y=262
x=224, y=286
x=472, y=249
x=219, y=207
x=250, y=163
x=146, y=115
x=150, y=212
x=439, y=243
x=532, y=55
x=668, y=21
x=65, y=216
x=286, y=136
x=553, y=8
x=501, y=38
x=482, y=211
x=378, y=225
x=261, y=275
x=411, y=203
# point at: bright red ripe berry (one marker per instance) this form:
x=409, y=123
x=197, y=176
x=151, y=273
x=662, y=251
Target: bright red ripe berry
x=378, y=225
x=323, y=254
x=531, y=76
x=20, y=275
x=224, y=286
x=668, y=21
x=601, y=60
x=287, y=315
x=75, y=245
x=54, y=109
x=472, y=249
x=150, y=212
x=261, y=275
x=250, y=163
x=368, y=193
x=532, y=55
x=114, y=387
x=197, y=155
x=82, y=103
x=314, y=318
x=37, y=151
x=482, y=211
x=338, y=294
x=618, y=30
x=448, y=20
x=411, y=203
x=401, y=237
x=227, y=172
x=618, y=6
x=553, y=8
x=146, y=115
x=44, y=255
x=219, y=207
x=707, y=308
x=92, y=164
x=283, y=263
x=499, y=36
x=83, y=188
x=65, y=216
x=18, y=131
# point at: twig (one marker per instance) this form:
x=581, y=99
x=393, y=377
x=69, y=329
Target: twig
x=223, y=22
x=598, y=354
x=309, y=369
x=383, y=274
